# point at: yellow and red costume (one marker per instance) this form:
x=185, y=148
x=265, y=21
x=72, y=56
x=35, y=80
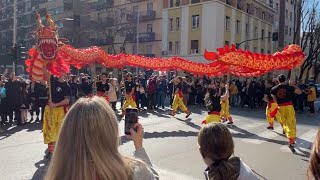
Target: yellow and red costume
x=130, y=99
x=178, y=100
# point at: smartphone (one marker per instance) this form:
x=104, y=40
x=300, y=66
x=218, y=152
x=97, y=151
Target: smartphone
x=131, y=118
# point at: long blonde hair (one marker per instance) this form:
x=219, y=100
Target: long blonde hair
x=87, y=147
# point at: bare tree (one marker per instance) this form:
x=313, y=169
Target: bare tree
x=310, y=40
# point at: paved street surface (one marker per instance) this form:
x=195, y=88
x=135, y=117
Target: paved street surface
x=172, y=146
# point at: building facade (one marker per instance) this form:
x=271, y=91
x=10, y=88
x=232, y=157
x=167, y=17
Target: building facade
x=190, y=27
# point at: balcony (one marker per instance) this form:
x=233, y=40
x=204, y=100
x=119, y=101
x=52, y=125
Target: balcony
x=146, y=37
x=102, y=5
x=144, y=16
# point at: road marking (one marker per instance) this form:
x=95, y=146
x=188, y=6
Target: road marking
x=304, y=141
x=264, y=136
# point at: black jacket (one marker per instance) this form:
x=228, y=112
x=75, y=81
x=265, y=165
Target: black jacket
x=14, y=93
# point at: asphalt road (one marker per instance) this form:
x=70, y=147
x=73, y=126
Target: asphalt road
x=172, y=146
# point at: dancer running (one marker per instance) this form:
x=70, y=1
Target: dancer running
x=272, y=108
x=283, y=95
x=129, y=87
x=212, y=100
x=225, y=108
x=178, y=98
x=55, y=111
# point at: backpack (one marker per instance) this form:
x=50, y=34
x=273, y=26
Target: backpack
x=3, y=93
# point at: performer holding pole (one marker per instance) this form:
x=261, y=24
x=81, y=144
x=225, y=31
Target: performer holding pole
x=103, y=86
x=129, y=88
x=212, y=100
x=178, y=98
x=225, y=107
x=272, y=107
x=283, y=95
x=59, y=97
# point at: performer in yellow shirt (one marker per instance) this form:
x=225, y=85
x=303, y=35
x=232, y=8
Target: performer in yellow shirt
x=312, y=96
x=178, y=98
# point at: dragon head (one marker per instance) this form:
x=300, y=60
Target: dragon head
x=47, y=38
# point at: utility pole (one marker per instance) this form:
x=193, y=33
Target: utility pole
x=138, y=23
x=14, y=31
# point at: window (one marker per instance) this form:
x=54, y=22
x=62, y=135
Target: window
x=255, y=49
x=263, y=16
x=238, y=26
x=227, y=23
x=271, y=18
x=135, y=9
x=194, y=47
x=269, y=52
x=149, y=7
x=171, y=24
x=286, y=30
x=149, y=27
x=134, y=49
x=110, y=51
x=177, y=23
x=256, y=32
x=177, y=47
x=290, y=16
x=290, y=32
x=262, y=51
x=226, y=43
x=195, y=21
x=229, y=2
x=287, y=15
x=170, y=48
x=248, y=9
x=195, y=1
x=177, y=3
x=257, y=12
x=171, y=3
x=123, y=12
x=239, y=4
x=149, y=49
x=277, y=7
x=247, y=29
x=262, y=33
x=269, y=36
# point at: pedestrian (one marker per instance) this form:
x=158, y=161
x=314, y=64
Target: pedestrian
x=25, y=103
x=283, y=95
x=151, y=93
x=272, y=107
x=185, y=91
x=178, y=98
x=216, y=148
x=112, y=94
x=55, y=111
x=14, y=96
x=73, y=83
x=313, y=172
x=162, y=90
x=2, y=102
x=312, y=96
x=213, y=100
x=233, y=94
x=94, y=153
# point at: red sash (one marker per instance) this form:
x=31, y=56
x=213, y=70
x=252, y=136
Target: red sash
x=286, y=104
x=214, y=113
x=180, y=94
x=133, y=96
x=101, y=95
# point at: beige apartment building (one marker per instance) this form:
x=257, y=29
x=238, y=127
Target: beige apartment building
x=190, y=27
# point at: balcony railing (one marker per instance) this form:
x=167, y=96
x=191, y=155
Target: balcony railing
x=146, y=37
x=144, y=16
x=102, y=5
x=148, y=55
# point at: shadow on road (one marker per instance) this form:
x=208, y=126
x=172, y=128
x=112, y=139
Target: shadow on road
x=42, y=167
x=10, y=130
x=164, y=134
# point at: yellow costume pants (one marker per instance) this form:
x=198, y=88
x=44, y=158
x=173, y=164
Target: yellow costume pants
x=212, y=118
x=178, y=102
x=52, y=121
x=225, y=109
x=273, y=107
x=129, y=102
x=288, y=118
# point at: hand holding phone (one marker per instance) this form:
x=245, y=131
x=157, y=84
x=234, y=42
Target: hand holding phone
x=137, y=135
x=131, y=118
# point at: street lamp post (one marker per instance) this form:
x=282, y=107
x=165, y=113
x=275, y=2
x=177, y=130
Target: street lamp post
x=138, y=23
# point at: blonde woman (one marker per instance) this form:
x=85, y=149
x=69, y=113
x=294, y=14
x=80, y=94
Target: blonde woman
x=112, y=94
x=87, y=147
